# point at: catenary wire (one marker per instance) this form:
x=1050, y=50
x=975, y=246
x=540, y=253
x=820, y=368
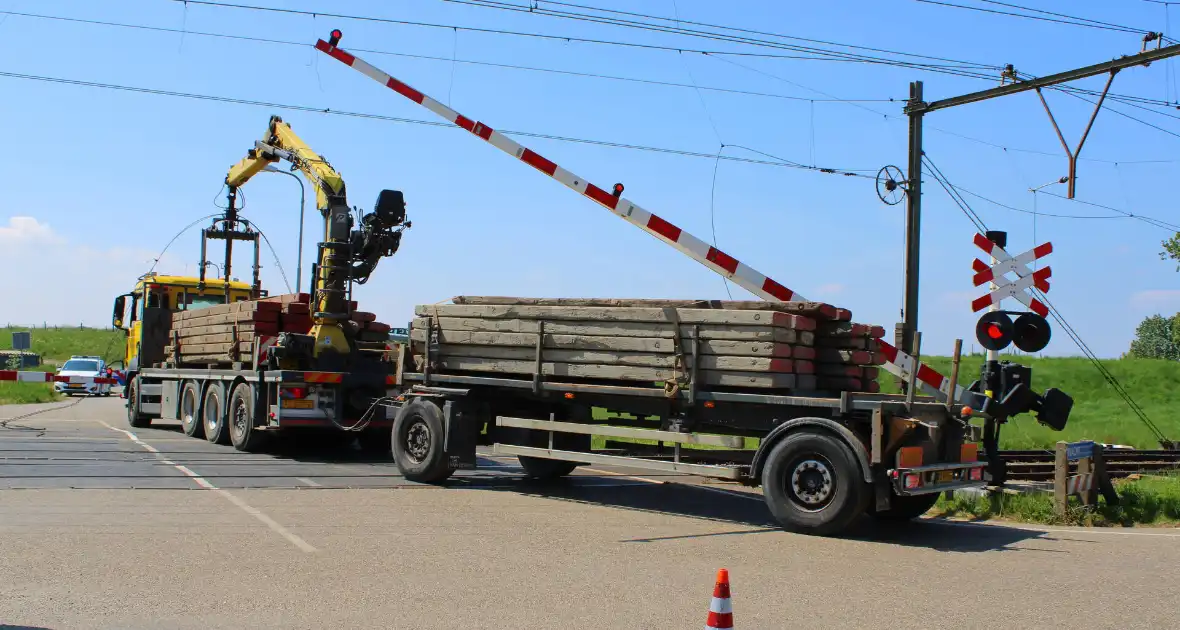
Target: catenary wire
x=336, y=112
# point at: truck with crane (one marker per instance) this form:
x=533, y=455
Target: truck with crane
x=214, y=354
x=826, y=453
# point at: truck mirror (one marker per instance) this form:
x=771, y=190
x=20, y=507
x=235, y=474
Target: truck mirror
x=117, y=314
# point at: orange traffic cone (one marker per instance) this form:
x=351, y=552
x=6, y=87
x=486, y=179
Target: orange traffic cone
x=720, y=608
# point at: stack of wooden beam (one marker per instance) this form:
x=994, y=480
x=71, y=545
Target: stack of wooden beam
x=220, y=334
x=803, y=346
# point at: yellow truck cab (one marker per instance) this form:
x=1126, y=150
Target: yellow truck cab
x=145, y=312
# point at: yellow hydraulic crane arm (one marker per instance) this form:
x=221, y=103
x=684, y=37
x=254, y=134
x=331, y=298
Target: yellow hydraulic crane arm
x=346, y=255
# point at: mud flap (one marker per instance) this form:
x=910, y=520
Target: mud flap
x=461, y=426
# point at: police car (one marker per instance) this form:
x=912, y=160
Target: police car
x=83, y=366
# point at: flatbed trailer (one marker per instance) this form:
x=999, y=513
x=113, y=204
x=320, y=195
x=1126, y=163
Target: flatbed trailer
x=821, y=461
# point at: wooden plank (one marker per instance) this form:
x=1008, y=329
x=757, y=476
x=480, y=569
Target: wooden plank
x=848, y=329
x=192, y=340
x=620, y=344
x=210, y=348
x=618, y=372
x=607, y=314
x=817, y=310
x=620, y=329
x=363, y=316
x=667, y=362
x=378, y=327
x=245, y=306
x=846, y=343
x=258, y=328
x=288, y=298
x=845, y=370
x=850, y=357
x=196, y=318
x=370, y=336
x=848, y=384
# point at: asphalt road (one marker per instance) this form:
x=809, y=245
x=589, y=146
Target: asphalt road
x=104, y=527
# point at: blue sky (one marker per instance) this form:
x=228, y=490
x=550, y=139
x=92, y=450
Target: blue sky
x=101, y=180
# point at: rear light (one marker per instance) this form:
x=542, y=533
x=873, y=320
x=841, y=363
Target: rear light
x=976, y=474
x=912, y=481
x=968, y=453
x=293, y=392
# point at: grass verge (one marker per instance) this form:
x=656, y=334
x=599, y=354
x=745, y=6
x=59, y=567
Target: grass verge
x=1142, y=501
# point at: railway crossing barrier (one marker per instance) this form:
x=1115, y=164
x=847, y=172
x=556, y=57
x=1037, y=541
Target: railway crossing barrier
x=1089, y=479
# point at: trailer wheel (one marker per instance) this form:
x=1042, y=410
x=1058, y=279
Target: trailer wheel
x=906, y=508
x=213, y=414
x=242, y=433
x=418, y=443
x=813, y=485
x=190, y=409
x=134, y=417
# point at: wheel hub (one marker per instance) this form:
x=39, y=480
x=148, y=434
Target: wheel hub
x=811, y=481
x=418, y=441
x=240, y=418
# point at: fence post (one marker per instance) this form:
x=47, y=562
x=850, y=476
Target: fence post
x=1102, y=480
x=1060, y=477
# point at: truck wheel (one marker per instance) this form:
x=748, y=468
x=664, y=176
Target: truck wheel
x=242, y=433
x=134, y=417
x=544, y=469
x=190, y=409
x=812, y=484
x=213, y=414
x=418, y=443
x=906, y=508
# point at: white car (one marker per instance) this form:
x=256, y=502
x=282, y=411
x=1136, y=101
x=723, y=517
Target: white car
x=83, y=366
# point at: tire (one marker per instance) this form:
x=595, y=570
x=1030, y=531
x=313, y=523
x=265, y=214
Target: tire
x=213, y=414
x=134, y=417
x=417, y=439
x=906, y=508
x=541, y=468
x=240, y=419
x=190, y=409
x=813, y=484
x=376, y=442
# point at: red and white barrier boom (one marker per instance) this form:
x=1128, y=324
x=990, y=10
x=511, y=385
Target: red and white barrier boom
x=33, y=376
x=899, y=363
x=1018, y=265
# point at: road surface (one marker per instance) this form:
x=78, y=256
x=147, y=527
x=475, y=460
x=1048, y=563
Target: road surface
x=105, y=527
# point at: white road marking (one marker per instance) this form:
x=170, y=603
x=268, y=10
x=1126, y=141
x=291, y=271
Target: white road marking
x=204, y=483
x=305, y=480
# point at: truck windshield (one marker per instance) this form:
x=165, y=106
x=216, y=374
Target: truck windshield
x=80, y=366
x=203, y=301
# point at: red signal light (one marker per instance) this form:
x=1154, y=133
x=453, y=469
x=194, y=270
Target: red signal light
x=618, y=190
x=994, y=332
x=335, y=36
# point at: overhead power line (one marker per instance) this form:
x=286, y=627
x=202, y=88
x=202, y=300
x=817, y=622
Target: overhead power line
x=768, y=34
x=537, y=9
x=282, y=42
x=861, y=173
x=1047, y=16
x=807, y=53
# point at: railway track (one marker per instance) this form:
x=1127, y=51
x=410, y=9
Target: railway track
x=1038, y=465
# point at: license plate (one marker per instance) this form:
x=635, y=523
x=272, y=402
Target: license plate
x=297, y=404
x=946, y=476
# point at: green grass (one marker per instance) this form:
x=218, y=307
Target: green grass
x=12, y=393
x=56, y=345
x=1098, y=412
x=1143, y=501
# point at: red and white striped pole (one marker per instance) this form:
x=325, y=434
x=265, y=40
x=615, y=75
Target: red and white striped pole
x=720, y=606
x=898, y=363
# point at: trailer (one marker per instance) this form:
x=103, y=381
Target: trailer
x=826, y=453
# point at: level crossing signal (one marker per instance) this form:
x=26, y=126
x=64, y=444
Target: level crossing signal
x=996, y=330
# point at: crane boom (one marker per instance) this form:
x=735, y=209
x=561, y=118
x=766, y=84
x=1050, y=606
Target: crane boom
x=897, y=363
x=346, y=255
